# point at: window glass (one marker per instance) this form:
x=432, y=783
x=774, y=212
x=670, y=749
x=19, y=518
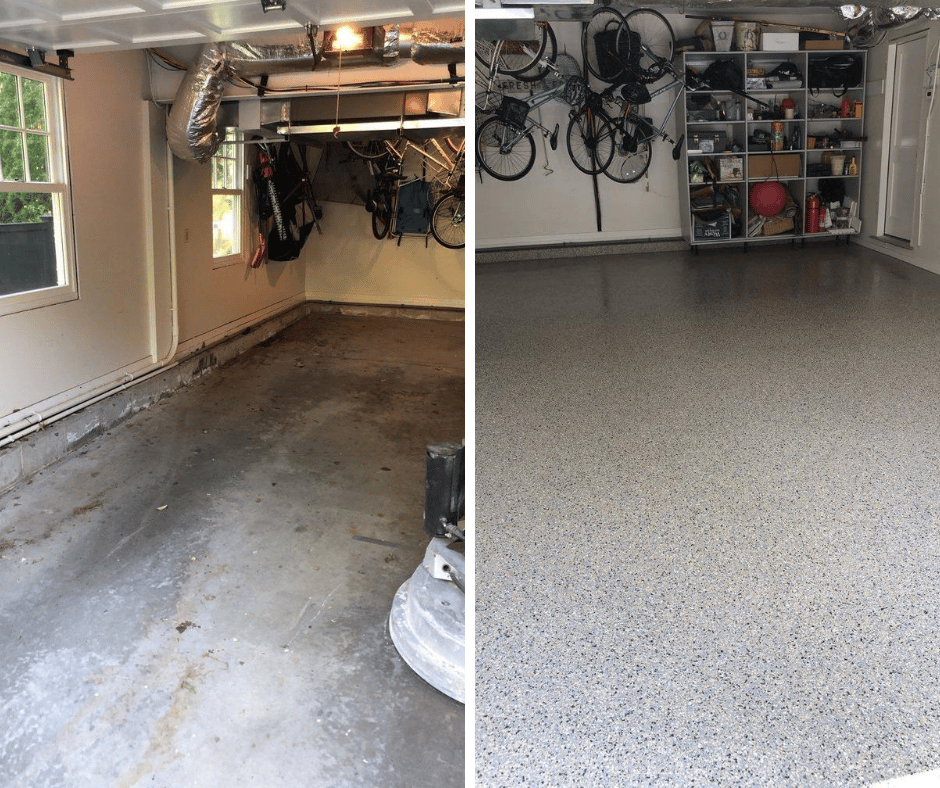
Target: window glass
x=11, y=155
x=36, y=263
x=227, y=202
x=37, y=157
x=34, y=104
x=9, y=100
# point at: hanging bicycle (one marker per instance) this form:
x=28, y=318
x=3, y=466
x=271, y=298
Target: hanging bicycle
x=505, y=142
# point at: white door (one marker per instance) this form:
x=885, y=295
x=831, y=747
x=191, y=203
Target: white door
x=903, y=151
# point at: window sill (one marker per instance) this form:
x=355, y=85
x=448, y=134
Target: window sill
x=36, y=299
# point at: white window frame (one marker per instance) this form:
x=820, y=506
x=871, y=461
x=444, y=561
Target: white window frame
x=60, y=188
x=237, y=145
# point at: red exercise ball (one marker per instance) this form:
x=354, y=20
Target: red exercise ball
x=768, y=198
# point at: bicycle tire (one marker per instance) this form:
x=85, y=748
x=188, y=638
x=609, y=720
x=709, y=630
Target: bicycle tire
x=515, y=56
x=590, y=140
x=604, y=64
x=448, y=221
x=549, y=54
x=368, y=149
x=628, y=166
x=381, y=216
x=657, y=36
x=504, y=164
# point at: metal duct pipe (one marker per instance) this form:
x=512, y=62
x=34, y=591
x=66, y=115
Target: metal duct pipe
x=191, y=127
x=253, y=60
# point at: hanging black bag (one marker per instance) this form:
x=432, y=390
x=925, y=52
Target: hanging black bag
x=837, y=73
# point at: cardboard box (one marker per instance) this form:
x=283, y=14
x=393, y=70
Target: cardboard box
x=731, y=168
x=780, y=42
x=774, y=165
x=814, y=46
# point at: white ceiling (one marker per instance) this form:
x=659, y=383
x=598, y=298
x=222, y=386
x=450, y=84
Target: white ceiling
x=100, y=25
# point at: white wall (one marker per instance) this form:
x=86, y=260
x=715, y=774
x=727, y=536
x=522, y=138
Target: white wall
x=558, y=207
x=925, y=247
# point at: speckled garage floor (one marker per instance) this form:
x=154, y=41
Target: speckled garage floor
x=200, y=597
x=708, y=520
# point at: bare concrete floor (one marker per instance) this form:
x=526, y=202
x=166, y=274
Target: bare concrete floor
x=200, y=597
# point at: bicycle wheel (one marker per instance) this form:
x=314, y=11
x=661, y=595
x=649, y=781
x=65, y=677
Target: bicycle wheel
x=632, y=155
x=591, y=140
x=368, y=149
x=514, y=56
x=447, y=221
x=659, y=43
x=549, y=54
x=504, y=152
x=382, y=215
x=599, y=44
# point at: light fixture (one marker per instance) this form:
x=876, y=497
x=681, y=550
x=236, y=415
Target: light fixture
x=273, y=5
x=348, y=39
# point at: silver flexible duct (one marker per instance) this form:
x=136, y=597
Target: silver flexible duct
x=191, y=128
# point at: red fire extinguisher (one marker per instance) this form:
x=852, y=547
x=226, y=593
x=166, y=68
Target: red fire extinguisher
x=812, y=214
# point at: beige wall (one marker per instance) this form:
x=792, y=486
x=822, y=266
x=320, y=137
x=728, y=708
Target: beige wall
x=347, y=264
x=53, y=349
x=134, y=206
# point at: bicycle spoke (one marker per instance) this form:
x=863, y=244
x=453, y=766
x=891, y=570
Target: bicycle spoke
x=632, y=155
x=599, y=44
x=504, y=152
x=447, y=221
x=590, y=141
x=657, y=43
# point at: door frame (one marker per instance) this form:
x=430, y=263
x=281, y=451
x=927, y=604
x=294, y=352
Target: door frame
x=889, y=93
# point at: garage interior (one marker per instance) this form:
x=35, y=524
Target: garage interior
x=705, y=479
x=213, y=458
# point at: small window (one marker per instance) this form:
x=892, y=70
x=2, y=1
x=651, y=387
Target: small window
x=228, y=183
x=36, y=259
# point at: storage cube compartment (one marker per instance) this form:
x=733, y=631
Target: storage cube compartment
x=708, y=142
x=715, y=230
x=774, y=165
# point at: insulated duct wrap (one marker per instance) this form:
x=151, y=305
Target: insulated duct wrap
x=191, y=128
x=252, y=60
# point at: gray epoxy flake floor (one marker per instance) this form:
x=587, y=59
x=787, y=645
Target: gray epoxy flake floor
x=707, y=512
x=200, y=597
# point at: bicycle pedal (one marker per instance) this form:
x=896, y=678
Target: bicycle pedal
x=677, y=149
x=553, y=138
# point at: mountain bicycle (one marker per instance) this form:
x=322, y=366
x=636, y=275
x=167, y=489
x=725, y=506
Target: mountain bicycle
x=505, y=143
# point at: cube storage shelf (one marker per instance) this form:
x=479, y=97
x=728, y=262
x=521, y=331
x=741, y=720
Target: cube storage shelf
x=800, y=166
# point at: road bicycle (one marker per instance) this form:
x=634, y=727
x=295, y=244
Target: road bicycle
x=629, y=52
x=635, y=48
x=505, y=143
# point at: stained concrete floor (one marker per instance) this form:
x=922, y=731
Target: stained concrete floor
x=707, y=511
x=200, y=596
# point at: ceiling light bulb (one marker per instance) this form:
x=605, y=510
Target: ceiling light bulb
x=346, y=38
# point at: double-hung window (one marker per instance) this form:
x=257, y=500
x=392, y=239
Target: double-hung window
x=228, y=184
x=37, y=266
